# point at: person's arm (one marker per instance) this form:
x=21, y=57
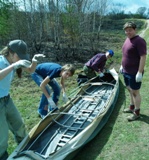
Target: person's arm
x=32, y=67
x=141, y=68
x=142, y=63
x=19, y=64
x=35, y=61
x=4, y=72
x=62, y=84
x=43, y=86
x=65, y=98
x=49, y=98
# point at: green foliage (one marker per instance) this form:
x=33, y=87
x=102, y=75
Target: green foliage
x=4, y=18
x=70, y=23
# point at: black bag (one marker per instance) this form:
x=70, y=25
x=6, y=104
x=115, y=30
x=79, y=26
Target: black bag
x=81, y=79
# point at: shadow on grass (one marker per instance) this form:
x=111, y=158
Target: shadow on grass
x=144, y=118
x=93, y=149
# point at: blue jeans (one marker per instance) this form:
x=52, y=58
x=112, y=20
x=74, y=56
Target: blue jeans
x=55, y=96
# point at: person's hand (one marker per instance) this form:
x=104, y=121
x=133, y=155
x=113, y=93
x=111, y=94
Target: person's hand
x=139, y=77
x=51, y=103
x=121, y=69
x=21, y=64
x=101, y=75
x=37, y=57
x=65, y=98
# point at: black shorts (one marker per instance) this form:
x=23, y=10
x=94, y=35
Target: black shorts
x=130, y=80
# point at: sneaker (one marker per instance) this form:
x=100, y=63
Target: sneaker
x=53, y=110
x=50, y=109
x=128, y=110
x=133, y=117
x=41, y=115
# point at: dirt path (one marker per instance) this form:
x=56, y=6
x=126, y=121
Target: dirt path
x=143, y=31
x=142, y=34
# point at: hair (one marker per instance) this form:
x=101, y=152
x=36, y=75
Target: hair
x=69, y=67
x=129, y=25
x=5, y=52
x=19, y=72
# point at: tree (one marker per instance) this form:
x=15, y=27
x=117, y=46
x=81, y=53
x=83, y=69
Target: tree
x=147, y=15
x=5, y=7
x=141, y=12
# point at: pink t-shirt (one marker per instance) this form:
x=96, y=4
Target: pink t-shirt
x=132, y=50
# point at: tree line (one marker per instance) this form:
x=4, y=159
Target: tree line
x=65, y=26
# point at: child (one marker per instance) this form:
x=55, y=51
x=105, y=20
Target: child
x=12, y=58
x=44, y=77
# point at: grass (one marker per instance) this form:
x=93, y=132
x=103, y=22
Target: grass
x=118, y=140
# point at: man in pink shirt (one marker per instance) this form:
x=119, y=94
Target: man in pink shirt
x=133, y=61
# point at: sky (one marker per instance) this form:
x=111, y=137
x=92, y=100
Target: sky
x=132, y=5
x=128, y=5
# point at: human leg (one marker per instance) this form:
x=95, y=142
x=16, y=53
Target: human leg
x=135, y=98
x=4, y=156
x=4, y=131
x=15, y=122
x=137, y=102
x=89, y=72
x=131, y=107
x=127, y=81
x=43, y=105
x=56, y=90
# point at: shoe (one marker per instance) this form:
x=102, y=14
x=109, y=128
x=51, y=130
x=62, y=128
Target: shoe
x=41, y=115
x=133, y=117
x=128, y=110
x=52, y=109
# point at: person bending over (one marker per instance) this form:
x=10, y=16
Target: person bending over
x=44, y=76
x=96, y=64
